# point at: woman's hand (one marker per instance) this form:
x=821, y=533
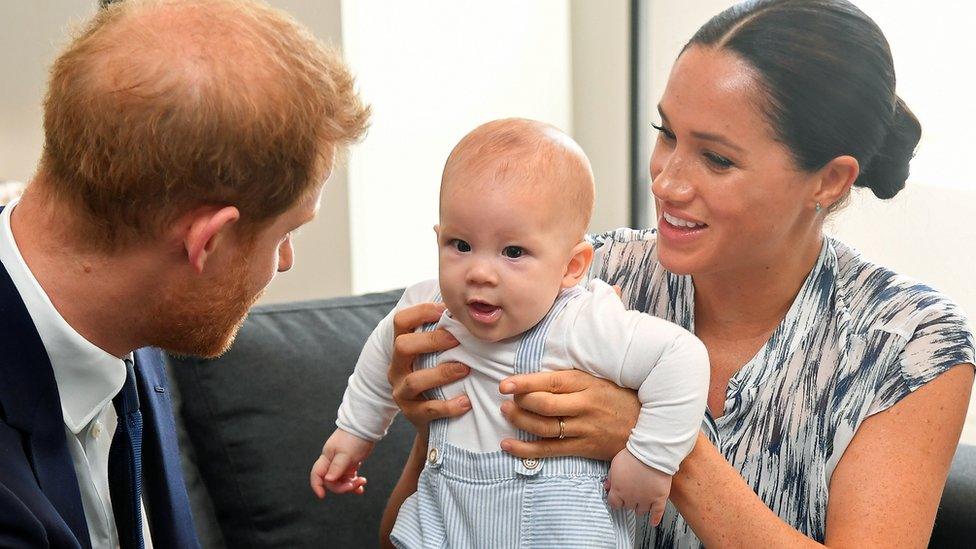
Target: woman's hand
x=408, y=385
x=595, y=416
x=408, y=393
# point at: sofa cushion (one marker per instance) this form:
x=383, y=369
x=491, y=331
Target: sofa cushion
x=955, y=525
x=257, y=418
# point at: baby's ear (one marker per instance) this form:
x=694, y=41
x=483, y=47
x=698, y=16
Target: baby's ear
x=579, y=264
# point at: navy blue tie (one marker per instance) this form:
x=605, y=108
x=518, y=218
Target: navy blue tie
x=125, y=464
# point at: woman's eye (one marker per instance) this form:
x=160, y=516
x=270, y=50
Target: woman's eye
x=513, y=252
x=665, y=133
x=461, y=246
x=719, y=161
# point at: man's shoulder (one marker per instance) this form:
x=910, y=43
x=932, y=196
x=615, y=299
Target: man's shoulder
x=17, y=483
x=27, y=517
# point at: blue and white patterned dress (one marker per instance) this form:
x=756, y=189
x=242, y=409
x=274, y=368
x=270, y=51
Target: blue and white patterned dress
x=857, y=339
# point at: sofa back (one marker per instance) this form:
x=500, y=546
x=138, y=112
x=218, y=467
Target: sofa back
x=256, y=419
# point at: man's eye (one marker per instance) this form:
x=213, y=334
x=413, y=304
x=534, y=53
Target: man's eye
x=461, y=246
x=513, y=252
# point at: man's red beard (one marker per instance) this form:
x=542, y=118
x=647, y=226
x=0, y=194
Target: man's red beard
x=202, y=318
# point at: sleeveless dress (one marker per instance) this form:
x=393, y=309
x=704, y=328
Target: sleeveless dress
x=857, y=339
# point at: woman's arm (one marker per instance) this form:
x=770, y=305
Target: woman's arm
x=408, y=392
x=405, y=486
x=884, y=491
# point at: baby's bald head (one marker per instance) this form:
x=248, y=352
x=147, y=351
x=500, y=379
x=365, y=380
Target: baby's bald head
x=525, y=156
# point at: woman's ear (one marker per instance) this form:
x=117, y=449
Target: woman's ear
x=579, y=264
x=836, y=179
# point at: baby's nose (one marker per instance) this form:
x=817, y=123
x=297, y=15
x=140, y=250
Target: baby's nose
x=482, y=273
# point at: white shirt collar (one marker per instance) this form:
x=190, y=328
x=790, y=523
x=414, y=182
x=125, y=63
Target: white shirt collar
x=87, y=376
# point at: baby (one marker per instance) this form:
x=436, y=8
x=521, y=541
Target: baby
x=515, y=200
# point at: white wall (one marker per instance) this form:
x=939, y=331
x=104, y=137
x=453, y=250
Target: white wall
x=433, y=71
x=323, y=260
x=31, y=34
x=600, y=40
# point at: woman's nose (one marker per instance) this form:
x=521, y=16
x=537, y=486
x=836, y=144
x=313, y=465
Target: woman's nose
x=668, y=178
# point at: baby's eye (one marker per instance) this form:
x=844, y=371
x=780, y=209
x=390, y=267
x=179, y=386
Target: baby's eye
x=461, y=245
x=513, y=252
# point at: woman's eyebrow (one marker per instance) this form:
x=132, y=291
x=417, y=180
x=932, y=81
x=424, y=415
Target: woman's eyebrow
x=705, y=136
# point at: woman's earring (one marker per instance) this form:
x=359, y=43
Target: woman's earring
x=818, y=207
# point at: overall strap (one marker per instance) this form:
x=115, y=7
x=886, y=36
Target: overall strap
x=528, y=357
x=438, y=427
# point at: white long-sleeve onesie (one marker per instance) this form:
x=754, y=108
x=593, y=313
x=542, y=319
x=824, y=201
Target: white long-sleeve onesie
x=666, y=364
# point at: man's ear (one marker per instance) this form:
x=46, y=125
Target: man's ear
x=836, y=179
x=205, y=230
x=579, y=264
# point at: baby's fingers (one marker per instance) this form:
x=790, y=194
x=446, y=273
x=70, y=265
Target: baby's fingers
x=355, y=485
x=340, y=464
x=657, y=512
x=316, y=477
x=642, y=507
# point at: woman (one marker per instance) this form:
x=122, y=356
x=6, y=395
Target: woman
x=839, y=388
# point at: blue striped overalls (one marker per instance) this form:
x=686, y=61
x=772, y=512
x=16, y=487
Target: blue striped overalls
x=495, y=500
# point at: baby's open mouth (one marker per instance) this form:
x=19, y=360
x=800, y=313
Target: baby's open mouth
x=484, y=312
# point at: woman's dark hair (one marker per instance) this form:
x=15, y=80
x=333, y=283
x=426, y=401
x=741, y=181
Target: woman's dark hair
x=829, y=84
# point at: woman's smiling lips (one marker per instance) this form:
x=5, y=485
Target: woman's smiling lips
x=483, y=312
x=679, y=228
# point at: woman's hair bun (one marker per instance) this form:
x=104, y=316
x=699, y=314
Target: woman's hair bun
x=887, y=172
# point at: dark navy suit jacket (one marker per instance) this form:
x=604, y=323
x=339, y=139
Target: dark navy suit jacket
x=40, y=503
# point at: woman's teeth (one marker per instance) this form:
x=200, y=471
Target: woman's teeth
x=678, y=222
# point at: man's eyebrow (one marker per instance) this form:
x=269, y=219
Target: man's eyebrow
x=705, y=136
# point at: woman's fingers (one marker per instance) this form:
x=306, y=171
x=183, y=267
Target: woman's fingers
x=416, y=343
x=543, y=448
x=542, y=426
x=409, y=319
x=597, y=415
x=414, y=384
x=421, y=412
x=551, y=405
x=407, y=346
x=563, y=381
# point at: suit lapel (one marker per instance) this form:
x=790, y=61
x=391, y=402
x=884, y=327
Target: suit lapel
x=167, y=503
x=31, y=403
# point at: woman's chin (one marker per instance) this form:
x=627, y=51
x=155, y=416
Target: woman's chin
x=677, y=262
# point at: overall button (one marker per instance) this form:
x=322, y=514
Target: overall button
x=530, y=463
x=432, y=455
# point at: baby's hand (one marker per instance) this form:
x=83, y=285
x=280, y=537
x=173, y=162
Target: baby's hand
x=636, y=486
x=338, y=467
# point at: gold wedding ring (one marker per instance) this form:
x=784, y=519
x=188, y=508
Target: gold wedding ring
x=562, y=428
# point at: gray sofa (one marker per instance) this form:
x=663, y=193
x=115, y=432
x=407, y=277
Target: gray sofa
x=255, y=419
